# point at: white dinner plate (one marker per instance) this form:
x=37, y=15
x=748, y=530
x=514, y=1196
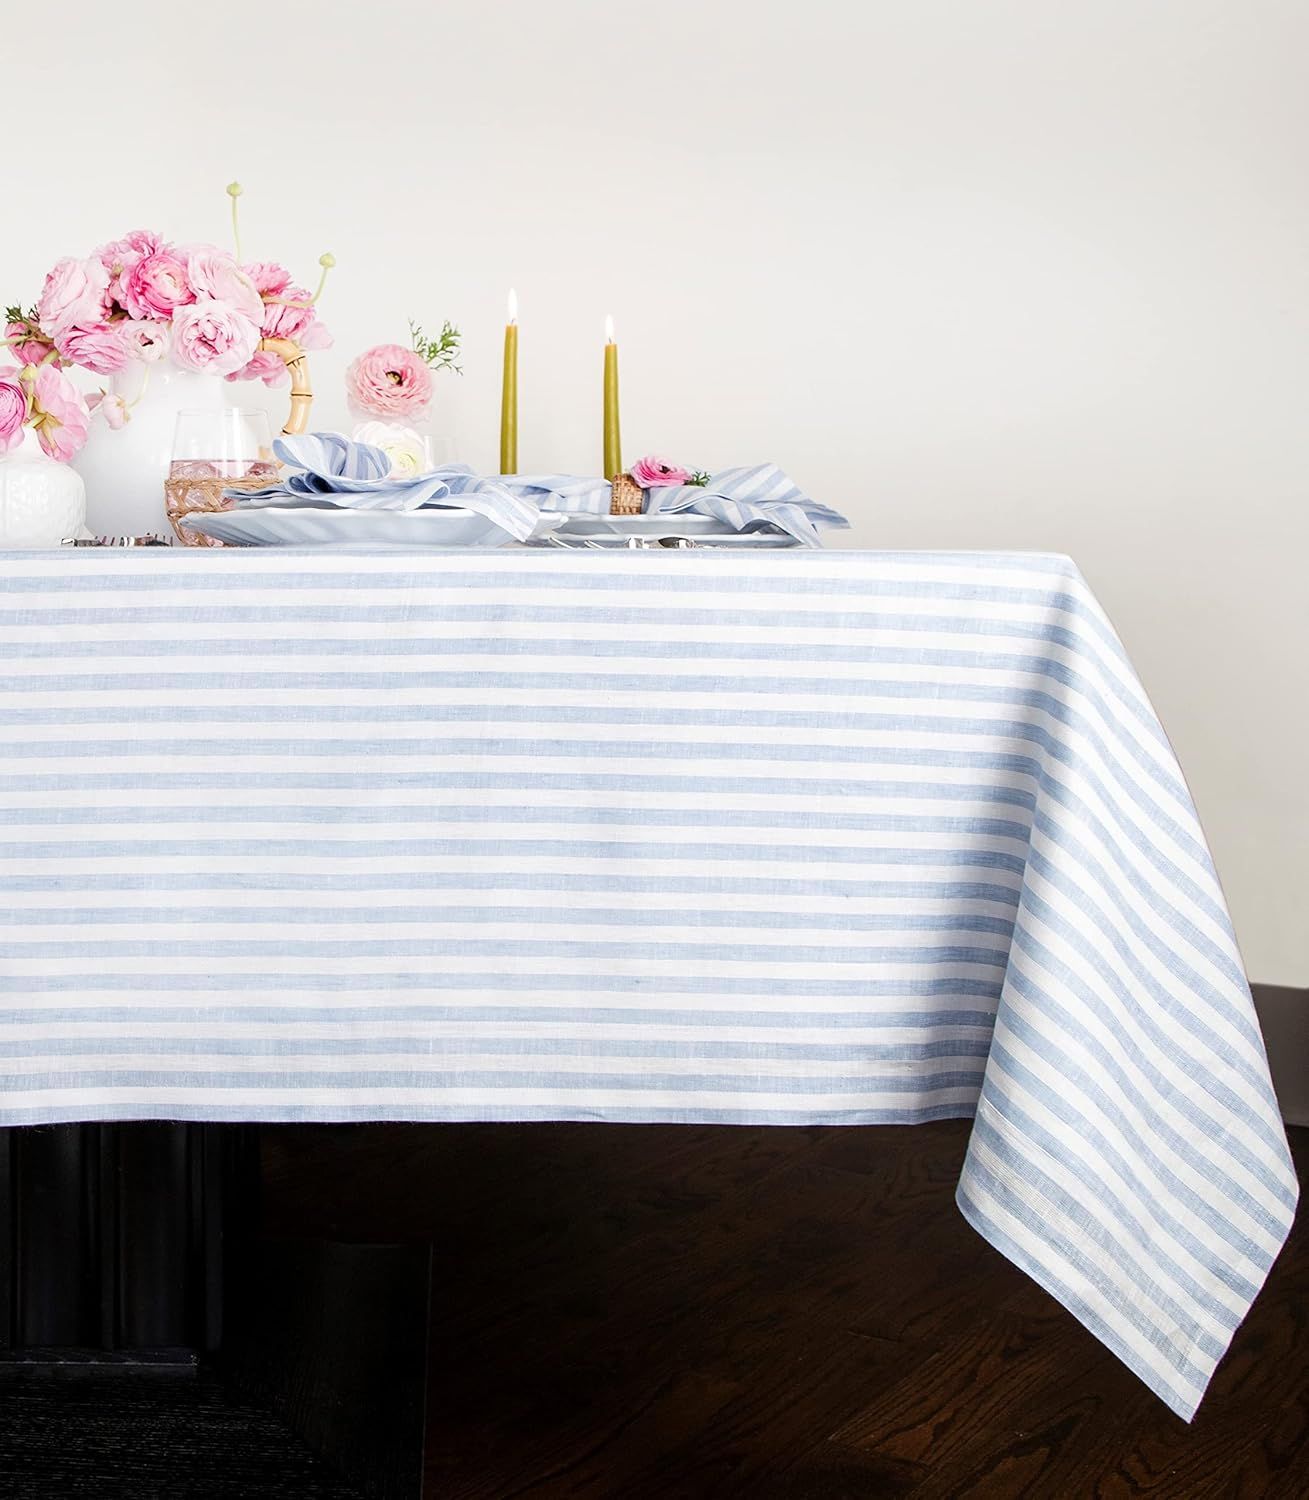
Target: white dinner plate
x=674, y=524
x=705, y=531
x=609, y=543
x=332, y=525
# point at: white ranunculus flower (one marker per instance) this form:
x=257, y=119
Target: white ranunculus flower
x=408, y=450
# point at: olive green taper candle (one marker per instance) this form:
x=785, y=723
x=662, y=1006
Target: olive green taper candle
x=509, y=392
x=612, y=440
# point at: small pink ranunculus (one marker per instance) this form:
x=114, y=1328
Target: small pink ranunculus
x=75, y=295
x=114, y=410
x=117, y=255
x=315, y=336
x=101, y=348
x=264, y=365
x=269, y=278
x=213, y=336
x=389, y=381
x=288, y=314
x=27, y=348
x=214, y=274
x=145, y=340
x=59, y=413
x=14, y=408
x=155, y=286
x=656, y=473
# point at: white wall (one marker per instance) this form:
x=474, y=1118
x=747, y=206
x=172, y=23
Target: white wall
x=1016, y=273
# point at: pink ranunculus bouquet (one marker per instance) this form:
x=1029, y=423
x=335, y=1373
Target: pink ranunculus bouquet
x=142, y=298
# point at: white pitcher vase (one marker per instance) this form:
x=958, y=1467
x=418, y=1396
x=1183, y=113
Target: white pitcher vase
x=125, y=469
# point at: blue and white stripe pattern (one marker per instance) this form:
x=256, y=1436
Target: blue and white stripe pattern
x=813, y=837
x=328, y=469
x=743, y=499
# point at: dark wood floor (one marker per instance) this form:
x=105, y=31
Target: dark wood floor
x=642, y=1312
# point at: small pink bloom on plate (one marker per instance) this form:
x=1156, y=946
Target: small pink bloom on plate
x=653, y=473
x=59, y=413
x=101, y=348
x=13, y=409
x=213, y=337
x=264, y=365
x=389, y=381
x=155, y=286
x=75, y=295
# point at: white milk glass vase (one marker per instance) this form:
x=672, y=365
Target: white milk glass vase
x=41, y=500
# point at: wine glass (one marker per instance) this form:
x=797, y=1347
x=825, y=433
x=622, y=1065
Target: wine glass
x=214, y=451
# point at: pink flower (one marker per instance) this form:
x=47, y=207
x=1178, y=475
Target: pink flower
x=59, y=413
x=655, y=473
x=213, y=336
x=155, y=286
x=264, y=365
x=13, y=408
x=389, y=381
x=288, y=313
x=101, y=348
x=213, y=274
x=114, y=410
x=119, y=256
x=315, y=336
x=27, y=345
x=269, y=278
x=145, y=340
x=75, y=295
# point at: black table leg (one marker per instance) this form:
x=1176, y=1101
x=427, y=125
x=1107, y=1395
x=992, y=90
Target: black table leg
x=134, y=1247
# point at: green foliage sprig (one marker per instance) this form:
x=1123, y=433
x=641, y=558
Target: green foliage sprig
x=438, y=353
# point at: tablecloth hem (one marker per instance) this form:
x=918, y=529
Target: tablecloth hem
x=517, y=1114
x=1184, y=1406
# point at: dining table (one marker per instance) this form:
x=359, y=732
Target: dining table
x=769, y=838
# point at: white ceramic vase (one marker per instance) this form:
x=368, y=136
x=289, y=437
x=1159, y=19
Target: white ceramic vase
x=41, y=500
x=125, y=469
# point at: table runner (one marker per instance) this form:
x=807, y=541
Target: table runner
x=837, y=838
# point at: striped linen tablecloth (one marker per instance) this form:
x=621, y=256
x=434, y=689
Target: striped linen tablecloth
x=840, y=838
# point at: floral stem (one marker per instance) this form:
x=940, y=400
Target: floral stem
x=145, y=385
x=234, y=191
x=327, y=261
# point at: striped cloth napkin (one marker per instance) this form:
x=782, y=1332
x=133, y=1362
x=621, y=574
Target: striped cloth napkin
x=328, y=468
x=744, y=498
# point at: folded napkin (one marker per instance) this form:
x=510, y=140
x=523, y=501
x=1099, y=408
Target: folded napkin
x=747, y=497
x=743, y=499
x=330, y=469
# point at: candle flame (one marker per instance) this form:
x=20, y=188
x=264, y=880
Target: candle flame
x=609, y=329
x=513, y=305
